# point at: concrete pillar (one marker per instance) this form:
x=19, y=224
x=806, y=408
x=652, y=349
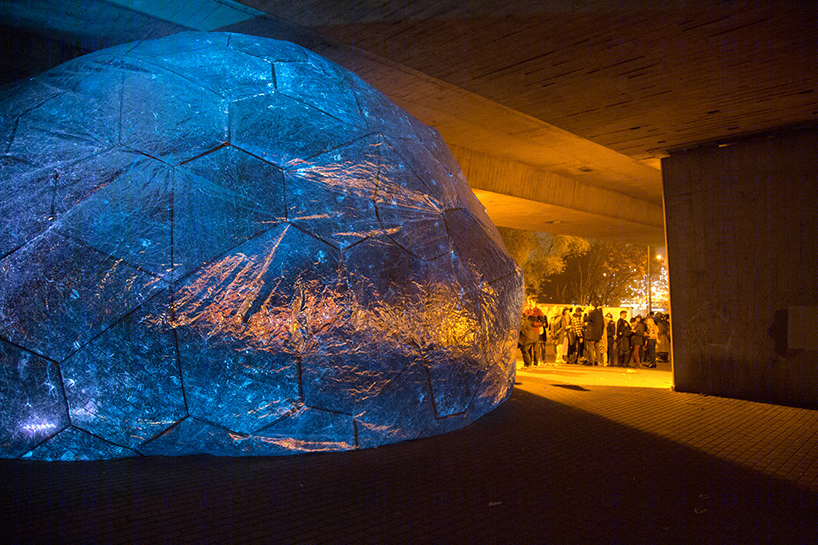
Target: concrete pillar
x=742, y=242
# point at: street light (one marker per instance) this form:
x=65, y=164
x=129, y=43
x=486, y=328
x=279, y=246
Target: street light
x=650, y=282
x=650, y=287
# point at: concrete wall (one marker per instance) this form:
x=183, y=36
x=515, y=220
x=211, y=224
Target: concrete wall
x=742, y=226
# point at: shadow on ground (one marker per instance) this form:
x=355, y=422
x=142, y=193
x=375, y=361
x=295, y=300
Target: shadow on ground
x=532, y=471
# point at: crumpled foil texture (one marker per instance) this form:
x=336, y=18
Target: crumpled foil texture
x=217, y=243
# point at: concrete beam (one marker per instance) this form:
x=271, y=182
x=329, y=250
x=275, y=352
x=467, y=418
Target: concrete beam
x=523, y=197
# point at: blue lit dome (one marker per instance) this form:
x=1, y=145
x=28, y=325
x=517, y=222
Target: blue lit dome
x=217, y=243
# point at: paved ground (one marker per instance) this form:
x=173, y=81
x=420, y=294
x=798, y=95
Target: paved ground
x=565, y=460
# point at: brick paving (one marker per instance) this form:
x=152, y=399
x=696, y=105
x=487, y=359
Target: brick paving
x=558, y=463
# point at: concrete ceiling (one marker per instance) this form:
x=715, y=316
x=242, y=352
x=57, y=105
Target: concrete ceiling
x=559, y=112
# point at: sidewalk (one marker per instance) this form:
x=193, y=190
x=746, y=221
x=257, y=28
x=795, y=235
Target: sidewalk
x=559, y=462
x=581, y=375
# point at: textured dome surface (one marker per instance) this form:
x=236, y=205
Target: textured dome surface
x=217, y=243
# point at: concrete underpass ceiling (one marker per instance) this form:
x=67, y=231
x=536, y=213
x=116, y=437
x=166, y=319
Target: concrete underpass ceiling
x=559, y=112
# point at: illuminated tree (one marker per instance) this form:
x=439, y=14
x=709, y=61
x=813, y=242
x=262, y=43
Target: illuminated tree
x=541, y=255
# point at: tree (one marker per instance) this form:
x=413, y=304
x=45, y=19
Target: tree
x=607, y=272
x=568, y=269
x=540, y=255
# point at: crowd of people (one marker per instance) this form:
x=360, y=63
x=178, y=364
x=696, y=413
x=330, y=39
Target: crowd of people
x=587, y=337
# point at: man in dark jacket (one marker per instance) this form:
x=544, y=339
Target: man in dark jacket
x=623, y=338
x=595, y=328
x=530, y=335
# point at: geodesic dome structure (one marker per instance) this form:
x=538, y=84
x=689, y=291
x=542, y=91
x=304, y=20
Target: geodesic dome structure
x=218, y=243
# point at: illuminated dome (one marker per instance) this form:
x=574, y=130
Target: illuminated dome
x=217, y=243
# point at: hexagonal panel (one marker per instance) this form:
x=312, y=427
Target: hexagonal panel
x=125, y=385
x=280, y=343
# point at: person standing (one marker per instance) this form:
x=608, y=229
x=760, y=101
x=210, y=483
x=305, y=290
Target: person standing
x=651, y=336
x=539, y=324
x=557, y=334
x=637, y=340
x=595, y=330
x=623, y=339
x=610, y=333
x=575, y=342
x=663, y=343
x=529, y=335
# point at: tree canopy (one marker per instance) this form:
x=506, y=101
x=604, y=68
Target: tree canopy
x=568, y=269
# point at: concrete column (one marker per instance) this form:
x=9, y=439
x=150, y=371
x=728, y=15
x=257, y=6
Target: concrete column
x=742, y=242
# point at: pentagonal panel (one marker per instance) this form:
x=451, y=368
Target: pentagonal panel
x=32, y=200
x=56, y=294
x=225, y=71
x=31, y=395
x=383, y=418
x=454, y=377
x=349, y=362
x=285, y=131
x=17, y=99
x=269, y=50
x=242, y=322
x=125, y=385
x=127, y=215
x=409, y=212
x=191, y=43
x=379, y=113
x=327, y=92
x=331, y=195
x=74, y=444
x=420, y=232
x=239, y=195
x=67, y=76
x=242, y=390
x=59, y=130
x=26, y=203
x=431, y=139
x=167, y=117
x=409, y=176
x=381, y=273
x=360, y=348
x=194, y=436
x=308, y=429
x=480, y=255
